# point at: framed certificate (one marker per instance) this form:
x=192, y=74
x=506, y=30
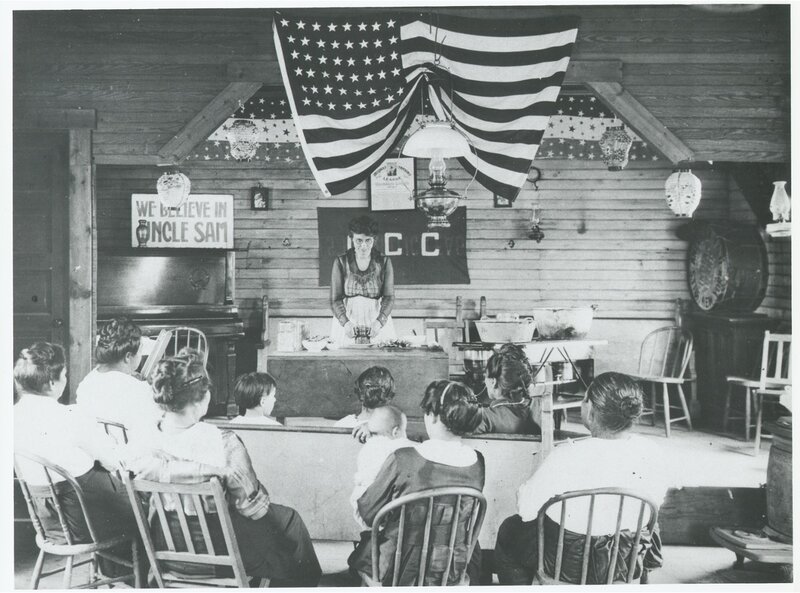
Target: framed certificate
x=391, y=185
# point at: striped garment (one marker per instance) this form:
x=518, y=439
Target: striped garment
x=356, y=82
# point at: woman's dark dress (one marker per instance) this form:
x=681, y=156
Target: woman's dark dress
x=505, y=416
x=406, y=471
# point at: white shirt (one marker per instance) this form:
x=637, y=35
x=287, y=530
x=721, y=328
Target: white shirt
x=370, y=460
x=265, y=420
x=61, y=434
x=632, y=462
x=115, y=396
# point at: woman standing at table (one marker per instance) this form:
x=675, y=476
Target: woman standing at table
x=362, y=288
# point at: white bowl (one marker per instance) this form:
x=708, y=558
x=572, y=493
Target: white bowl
x=315, y=345
x=491, y=330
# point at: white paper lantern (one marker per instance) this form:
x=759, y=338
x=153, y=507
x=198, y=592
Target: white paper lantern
x=242, y=136
x=683, y=190
x=615, y=144
x=173, y=189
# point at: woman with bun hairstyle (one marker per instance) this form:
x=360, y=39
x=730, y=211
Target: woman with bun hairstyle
x=272, y=538
x=111, y=391
x=508, y=378
x=68, y=438
x=374, y=388
x=613, y=457
x=450, y=413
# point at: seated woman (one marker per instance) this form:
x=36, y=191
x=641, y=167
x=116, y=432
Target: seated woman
x=443, y=460
x=508, y=378
x=66, y=437
x=255, y=395
x=110, y=391
x=612, y=457
x=272, y=538
x=374, y=388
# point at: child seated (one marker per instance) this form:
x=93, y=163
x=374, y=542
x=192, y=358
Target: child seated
x=255, y=395
x=387, y=428
x=374, y=388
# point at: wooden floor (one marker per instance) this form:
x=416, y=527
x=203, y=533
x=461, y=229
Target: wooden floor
x=706, y=460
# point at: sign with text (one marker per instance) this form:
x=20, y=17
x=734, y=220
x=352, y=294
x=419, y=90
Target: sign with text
x=203, y=221
x=419, y=255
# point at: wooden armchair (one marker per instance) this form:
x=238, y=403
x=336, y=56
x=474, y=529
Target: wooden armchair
x=60, y=484
x=455, y=498
x=202, y=541
x=642, y=528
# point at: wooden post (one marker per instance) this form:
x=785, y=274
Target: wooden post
x=263, y=345
x=542, y=413
x=81, y=287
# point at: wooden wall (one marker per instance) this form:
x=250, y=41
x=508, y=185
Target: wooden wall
x=719, y=81
x=778, y=302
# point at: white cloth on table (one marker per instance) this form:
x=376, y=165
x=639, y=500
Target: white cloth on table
x=115, y=396
x=363, y=311
x=631, y=462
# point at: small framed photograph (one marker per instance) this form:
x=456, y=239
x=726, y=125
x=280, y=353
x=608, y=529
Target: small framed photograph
x=501, y=202
x=391, y=185
x=259, y=198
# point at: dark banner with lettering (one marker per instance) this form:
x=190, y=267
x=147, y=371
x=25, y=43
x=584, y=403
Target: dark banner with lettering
x=419, y=255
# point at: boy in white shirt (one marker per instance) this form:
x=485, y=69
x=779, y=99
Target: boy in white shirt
x=387, y=428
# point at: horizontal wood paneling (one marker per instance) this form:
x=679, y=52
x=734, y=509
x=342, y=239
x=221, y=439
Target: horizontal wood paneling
x=610, y=239
x=705, y=76
x=778, y=301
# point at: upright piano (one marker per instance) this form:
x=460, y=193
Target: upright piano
x=164, y=288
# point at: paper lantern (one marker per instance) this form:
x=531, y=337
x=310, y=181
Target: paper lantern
x=242, y=137
x=615, y=144
x=173, y=188
x=683, y=190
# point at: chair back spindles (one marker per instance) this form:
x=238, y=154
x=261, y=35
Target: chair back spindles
x=665, y=352
x=433, y=499
x=587, y=541
x=641, y=528
x=173, y=500
x=116, y=430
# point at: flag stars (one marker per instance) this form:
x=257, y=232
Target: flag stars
x=382, y=75
x=393, y=55
x=347, y=106
x=348, y=44
x=351, y=62
x=392, y=40
x=363, y=43
x=335, y=44
x=295, y=54
x=362, y=105
x=320, y=43
x=377, y=43
x=323, y=59
x=306, y=101
x=290, y=39
x=376, y=26
x=307, y=57
x=390, y=24
x=331, y=106
x=354, y=77
x=337, y=61
x=367, y=60
x=328, y=89
x=342, y=91
x=376, y=103
x=368, y=76
x=339, y=77
x=301, y=25
x=347, y=26
x=314, y=90
x=396, y=72
x=362, y=27
x=311, y=73
x=332, y=27
x=380, y=59
x=284, y=23
x=325, y=75
x=298, y=71
x=305, y=40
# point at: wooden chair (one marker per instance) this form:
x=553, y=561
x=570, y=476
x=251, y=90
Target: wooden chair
x=115, y=430
x=775, y=376
x=403, y=503
x=663, y=360
x=52, y=496
x=170, y=341
x=641, y=529
x=179, y=545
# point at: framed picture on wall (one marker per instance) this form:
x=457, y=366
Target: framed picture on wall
x=392, y=183
x=501, y=202
x=259, y=198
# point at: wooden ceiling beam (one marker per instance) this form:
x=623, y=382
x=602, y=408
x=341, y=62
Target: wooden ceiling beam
x=579, y=71
x=638, y=117
x=55, y=119
x=207, y=120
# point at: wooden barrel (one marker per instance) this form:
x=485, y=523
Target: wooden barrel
x=728, y=267
x=779, y=478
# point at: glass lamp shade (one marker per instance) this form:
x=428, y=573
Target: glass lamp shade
x=780, y=205
x=242, y=136
x=437, y=136
x=683, y=190
x=437, y=202
x=615, y=145
x=173, y=189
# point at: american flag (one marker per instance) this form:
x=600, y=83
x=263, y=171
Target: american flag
x=354, y=84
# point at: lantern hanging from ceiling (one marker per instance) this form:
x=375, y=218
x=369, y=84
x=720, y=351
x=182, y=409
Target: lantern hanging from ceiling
x=437, y=141
x=682, y=191
x=173, y=188
x=242, y=137
x=615, y=144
